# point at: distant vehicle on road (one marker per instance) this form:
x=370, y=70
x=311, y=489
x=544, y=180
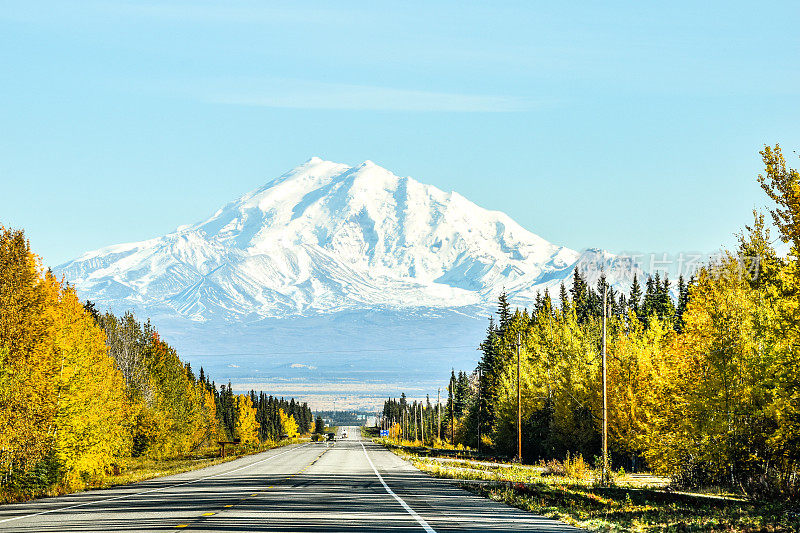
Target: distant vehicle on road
x=331, y=436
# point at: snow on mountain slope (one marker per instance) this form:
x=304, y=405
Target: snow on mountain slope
x=327, y=237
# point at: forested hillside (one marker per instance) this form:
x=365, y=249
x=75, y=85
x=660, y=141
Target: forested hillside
x=82, y=391
x=704, y=388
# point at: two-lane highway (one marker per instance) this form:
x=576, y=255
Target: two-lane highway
x=352, y=485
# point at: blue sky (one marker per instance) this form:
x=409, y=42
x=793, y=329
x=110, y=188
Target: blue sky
x=628, y=126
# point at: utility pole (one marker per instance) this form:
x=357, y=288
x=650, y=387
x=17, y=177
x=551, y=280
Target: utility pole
x=605, y=389
x=421, y=425
x=519, y=402
x=452, y=400
x=421, y=429
x=479, y=409
x=414, y=420
x=439, y=414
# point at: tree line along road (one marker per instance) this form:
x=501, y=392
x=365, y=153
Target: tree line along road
x=353, y=485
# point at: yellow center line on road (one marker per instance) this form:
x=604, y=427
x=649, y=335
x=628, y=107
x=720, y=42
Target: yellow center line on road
x=181, y=526
x=302, y=471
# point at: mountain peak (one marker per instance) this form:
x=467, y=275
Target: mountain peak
x=328, y=237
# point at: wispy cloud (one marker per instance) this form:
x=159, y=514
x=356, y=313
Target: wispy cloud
x=300, y=94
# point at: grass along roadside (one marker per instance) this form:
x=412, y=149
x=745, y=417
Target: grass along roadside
x=634, y=503
x=135, y=469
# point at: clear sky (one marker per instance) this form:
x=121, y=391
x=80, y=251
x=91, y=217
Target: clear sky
x=627, y=126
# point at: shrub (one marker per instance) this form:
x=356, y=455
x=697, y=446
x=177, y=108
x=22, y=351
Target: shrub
x=575, y=467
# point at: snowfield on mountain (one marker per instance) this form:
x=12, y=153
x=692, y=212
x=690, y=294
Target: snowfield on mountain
x=326, y=238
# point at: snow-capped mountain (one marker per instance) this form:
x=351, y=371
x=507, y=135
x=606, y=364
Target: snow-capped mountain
x=335, y=282
x=326, y=237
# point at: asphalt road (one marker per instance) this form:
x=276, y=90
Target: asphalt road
x=350, y=486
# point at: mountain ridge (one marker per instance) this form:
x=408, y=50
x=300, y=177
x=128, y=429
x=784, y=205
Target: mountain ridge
x=327, y=237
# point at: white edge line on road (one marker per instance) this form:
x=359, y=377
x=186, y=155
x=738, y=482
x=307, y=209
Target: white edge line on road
x=408, y=509
x=84, y=504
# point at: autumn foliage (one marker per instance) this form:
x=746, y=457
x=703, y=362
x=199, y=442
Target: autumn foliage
x=81, y=392
x=704, y=386
x=63, y=409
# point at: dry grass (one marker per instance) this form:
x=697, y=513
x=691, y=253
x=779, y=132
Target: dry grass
x=570, y=492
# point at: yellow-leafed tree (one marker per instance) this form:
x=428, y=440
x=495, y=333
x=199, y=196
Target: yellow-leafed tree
x=27, y=365
x=288, y=424
x=90, y=419
x=62, y=401
x=246, y=428
x=177, y=414
x=207, y=428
